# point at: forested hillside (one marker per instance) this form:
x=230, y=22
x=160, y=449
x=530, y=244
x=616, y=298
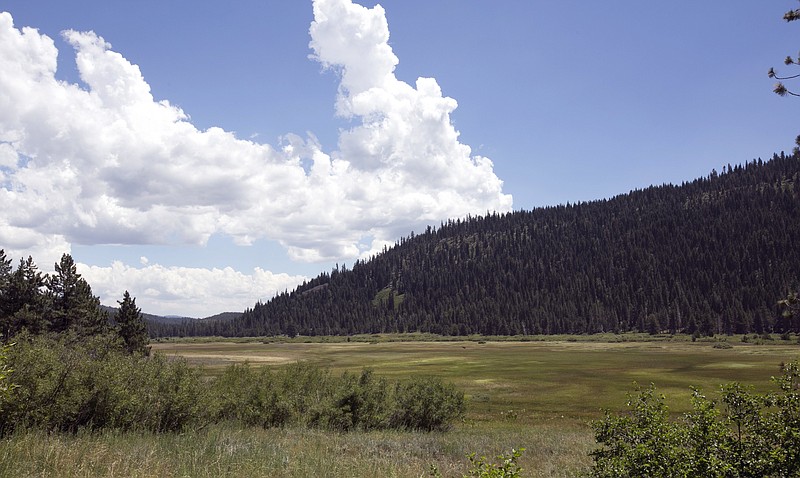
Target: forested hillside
x=711, y=256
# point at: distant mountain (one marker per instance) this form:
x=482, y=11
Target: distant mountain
x=165, y=319
x=713, y=255
x=175, y=320
x=222, y=317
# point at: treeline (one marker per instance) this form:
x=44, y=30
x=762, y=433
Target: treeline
x=60, y=303
x=713, y=255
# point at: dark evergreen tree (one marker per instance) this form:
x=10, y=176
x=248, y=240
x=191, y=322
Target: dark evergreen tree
x=71, y=303
x=23, y=301
x=5, y=281
x=5, y=271
x=130, y=325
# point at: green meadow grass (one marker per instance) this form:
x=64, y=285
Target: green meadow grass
x=536, y=380
x=539, y=394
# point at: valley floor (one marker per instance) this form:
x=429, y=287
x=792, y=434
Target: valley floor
x=540, y=395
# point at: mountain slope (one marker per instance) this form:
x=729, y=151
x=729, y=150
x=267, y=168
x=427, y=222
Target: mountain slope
x=711, y=255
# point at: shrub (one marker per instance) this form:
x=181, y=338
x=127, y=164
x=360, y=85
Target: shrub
x=751, y=435
x=307, y=395
x=6, y=385
x=172, y=397
x=506, y=468
x=483, y=468
x=427, y=404
x=67, y=386
x=251, y=397
x=361, y=402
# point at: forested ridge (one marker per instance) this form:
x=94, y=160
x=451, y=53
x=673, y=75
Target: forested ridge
x=713, y=255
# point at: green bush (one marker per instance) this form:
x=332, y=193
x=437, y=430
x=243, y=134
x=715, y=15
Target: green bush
x=361, y=402
x=307, y=395
x=743, y=434
x=252, y=396
x=6, y=385
x=69, y=383
x=427, y=404
x=66, y=386
x=507, y=466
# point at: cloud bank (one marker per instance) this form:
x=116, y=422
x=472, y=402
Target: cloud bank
x=186, y=291
x=104, y=162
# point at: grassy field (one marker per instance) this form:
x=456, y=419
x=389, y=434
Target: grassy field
x=541, y=395
x=222, y=451
x=533, y=380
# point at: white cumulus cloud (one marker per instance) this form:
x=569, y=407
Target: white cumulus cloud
x=186, y=291
x=105, y=162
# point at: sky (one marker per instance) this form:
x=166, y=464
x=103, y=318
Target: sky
x=207, y=155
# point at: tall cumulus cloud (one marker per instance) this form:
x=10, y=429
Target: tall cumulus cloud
x=106, y=163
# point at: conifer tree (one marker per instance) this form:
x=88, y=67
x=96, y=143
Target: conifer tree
x=130, y=325
x=71, y=303
x=5, y=281
x=22, y=300
x=5, y=271
x=780, y=87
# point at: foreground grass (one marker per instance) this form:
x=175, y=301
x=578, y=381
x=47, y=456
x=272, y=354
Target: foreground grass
x=540, y=395
x=553, y=450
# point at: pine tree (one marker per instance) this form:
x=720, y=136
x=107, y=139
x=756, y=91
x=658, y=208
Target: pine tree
x=5, y=282
x=5, y=271
x=780, y=88
x=131, y=327
x=71, y=303
x=23, y=300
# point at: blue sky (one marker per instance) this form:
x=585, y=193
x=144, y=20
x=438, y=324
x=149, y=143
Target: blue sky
x=247, y=153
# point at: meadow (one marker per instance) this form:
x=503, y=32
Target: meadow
x=530, y=380
x=540, y=394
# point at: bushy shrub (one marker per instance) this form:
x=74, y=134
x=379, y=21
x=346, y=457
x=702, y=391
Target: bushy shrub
x=64, y=385
x=361, y=402
x=252, y=397
x=69, y=383
x=506, y=466
x=172, y=396
x=6, y=385
x=424, y=403
x=749, y=435
x=307, y=395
